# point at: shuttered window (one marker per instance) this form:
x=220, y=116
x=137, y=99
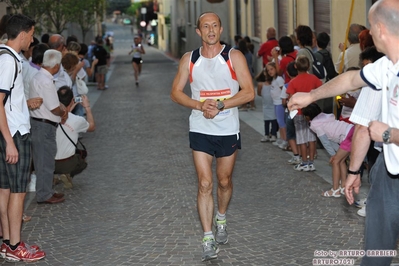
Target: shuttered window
x=257, y=16
x=282, y=18
x=321, y=9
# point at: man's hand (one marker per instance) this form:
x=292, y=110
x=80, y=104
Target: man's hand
x=299, y=100
x=376, y=128
x=352, y=185
x=209, y=109
x=85, y=101
x=34, y=103
x=11, y=153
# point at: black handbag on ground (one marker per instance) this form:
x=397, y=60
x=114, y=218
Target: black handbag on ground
x=81, y=152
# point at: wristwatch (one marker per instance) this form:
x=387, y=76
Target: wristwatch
x=220, y=105
x=386, y=136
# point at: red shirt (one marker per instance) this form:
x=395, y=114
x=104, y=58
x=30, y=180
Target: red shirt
x=304, y=82
x=284, y=62
x=265, y=49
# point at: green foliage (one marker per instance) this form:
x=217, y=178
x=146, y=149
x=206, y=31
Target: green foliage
x=58, y=13
x=134, y=9
x=167, y=19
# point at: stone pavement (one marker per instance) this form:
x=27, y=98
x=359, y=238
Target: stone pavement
x=135, y=204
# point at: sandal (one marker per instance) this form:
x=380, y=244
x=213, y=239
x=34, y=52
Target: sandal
x=334, y=193
x=26, y=218
x=342, y=190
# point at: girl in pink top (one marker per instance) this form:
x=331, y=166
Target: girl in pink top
x=336, y=137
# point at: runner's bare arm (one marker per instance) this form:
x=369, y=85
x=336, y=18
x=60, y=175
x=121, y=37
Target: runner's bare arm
x=341, y=84
x=177, y=95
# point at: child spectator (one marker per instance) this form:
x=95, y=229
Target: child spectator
x=304, y=82
x=332, y=133
x=269, y=117
x=275, y=91
x=290, y=127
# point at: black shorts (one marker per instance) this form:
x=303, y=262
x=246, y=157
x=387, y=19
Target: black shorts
x=137, y=60
x=218, y=146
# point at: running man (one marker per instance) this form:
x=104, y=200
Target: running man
x=215, y=73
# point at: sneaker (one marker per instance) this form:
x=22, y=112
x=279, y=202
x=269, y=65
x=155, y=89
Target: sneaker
x=361, y=203
x=273, y=139
x=312, y=167
x=301, y=167
x=3, y=249
x=278, y=142
x=295, y=160
x=210, y=249
x=25, y=253
x=283, y=145
x=362, y=212
x=221, y=232
x=265, y=139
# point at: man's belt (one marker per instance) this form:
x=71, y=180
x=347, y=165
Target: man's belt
x=55, y=124
x=66, y=159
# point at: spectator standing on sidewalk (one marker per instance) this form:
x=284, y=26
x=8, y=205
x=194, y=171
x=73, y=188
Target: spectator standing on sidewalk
x=15, y=142
x=101, y=67
x=265, y=50
x=289, y=122
x=61, y=78
x=269, y=116
x=381, y=231
x=277, y=85
x=304, y=82
x=214, y=120
x=44, y=122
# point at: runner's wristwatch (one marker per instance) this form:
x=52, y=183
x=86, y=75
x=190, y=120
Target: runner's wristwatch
x=386, y=136
x=220, y=105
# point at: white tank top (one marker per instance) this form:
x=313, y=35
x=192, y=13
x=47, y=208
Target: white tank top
x=213, y=78
x=136, y=49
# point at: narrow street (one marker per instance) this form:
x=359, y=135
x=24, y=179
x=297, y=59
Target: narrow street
x=135, y=204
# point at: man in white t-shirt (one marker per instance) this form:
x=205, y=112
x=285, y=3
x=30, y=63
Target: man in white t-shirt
x=15, y=142
x=67, y=163
x=381, y=230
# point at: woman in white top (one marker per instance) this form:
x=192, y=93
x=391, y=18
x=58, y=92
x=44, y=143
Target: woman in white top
x=137, y=50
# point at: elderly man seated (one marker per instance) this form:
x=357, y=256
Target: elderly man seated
x=67, y=163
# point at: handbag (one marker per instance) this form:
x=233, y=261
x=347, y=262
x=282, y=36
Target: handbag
x=81, y=86
x=82, y=152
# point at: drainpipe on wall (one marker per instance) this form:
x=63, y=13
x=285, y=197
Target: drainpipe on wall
x=246, y=17
x=295, y=15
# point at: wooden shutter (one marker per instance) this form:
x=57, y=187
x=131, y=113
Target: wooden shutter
x=282, y=18
x=257, y=17
x=321, y=9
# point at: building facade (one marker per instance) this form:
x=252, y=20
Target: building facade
x=252, y=18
